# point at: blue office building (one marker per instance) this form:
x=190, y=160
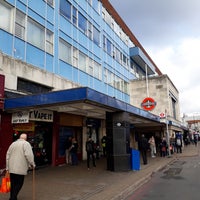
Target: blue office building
x=54, y=45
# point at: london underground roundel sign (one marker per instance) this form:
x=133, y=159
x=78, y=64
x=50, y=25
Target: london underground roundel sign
x=148, y=104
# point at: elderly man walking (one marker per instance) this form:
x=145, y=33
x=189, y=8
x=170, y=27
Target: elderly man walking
x=19, y=158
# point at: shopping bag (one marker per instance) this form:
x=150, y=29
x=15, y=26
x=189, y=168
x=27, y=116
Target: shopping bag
x=5, y=184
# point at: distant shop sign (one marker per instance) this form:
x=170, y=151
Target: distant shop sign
x=33, y=115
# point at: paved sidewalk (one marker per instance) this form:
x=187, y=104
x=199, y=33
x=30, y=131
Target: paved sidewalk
x=78, y=183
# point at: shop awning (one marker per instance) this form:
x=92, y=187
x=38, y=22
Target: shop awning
x=80, y=101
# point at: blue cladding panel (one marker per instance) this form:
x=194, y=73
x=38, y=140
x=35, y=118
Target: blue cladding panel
x=33, y=53
x=5, y=42
x=49, y=63
x=19, y=49
x=66, y=70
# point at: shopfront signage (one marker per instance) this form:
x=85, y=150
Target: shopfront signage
x=41, y=115
x=20, y=117
x=2, y=82
x=33, y=115
x=148, y=104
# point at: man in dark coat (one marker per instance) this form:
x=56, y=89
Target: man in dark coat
x=143, y=147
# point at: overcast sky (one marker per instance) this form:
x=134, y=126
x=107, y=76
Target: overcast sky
x=169, y=30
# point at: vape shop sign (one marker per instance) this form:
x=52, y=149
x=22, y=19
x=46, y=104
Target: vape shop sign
x=33, y=115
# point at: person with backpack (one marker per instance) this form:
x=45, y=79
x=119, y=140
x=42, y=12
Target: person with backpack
x=178, y=144
x=90, y=152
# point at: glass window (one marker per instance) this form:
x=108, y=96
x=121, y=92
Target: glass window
x=82, y=62
x=75, y=57
x=74, y=16
x=82, y=22
x=96, y=5
x=49, y=41
x=90, y=32
x=50, y=2
x=90, y=67
x=65, y=51
x=5, y=17
x=65, y=8
x=97, y=70
x=35, y=34
x=109, y=47
x=20, y=25
x=96, y=36
x=104, y=43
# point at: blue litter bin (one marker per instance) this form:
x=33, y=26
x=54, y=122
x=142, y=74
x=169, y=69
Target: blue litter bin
x=135, y=159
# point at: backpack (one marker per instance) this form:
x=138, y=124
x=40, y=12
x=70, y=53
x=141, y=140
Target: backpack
x=89, y=147
x=178, y=141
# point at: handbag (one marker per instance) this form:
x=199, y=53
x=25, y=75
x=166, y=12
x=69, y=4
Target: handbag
x=5, y=184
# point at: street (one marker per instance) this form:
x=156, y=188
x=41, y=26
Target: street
x=180, y=180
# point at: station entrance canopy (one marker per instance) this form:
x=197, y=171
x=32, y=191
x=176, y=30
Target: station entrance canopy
x=82, y=101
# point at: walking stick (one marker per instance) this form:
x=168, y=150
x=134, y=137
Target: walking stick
x=33, y=189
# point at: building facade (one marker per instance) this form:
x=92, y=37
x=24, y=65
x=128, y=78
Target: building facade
x=70, y=48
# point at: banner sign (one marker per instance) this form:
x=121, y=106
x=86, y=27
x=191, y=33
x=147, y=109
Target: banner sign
x=20, y=117
x=41, y=115
x=34, y=115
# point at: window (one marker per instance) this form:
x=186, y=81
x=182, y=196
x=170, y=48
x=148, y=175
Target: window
x=82, y=22
x=82, y=61
x=50, y=2
x=20, y=25
x=97, y=70
x=109, y=47
x=49, y=42
x=5, y=17
x=104, y=43
x=90, y=67
x=65, y=8
x=65, y=51
x=96, y=5
x=74, y=18
x=75, y=57
x=35, y=34
x=31, y=87
x=90, y=32
x=96, y=36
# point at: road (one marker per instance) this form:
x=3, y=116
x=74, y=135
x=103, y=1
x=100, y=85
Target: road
x=179, y=180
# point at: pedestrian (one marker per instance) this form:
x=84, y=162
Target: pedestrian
x=90, y=152
x=19, y=158
x=74, y=151
x=103, y=144
x=178, y=144
x=143, y=147
x=164, y=147
x=152, y=144
x=67, y=152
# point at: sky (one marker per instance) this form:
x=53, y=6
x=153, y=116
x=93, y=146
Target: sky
x=169, y=31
